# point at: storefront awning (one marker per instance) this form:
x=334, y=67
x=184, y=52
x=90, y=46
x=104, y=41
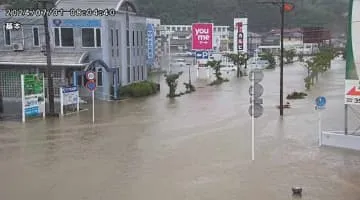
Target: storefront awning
x=28, y=58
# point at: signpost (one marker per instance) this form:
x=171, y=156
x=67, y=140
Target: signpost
x=352, y=92
x=91, y=86
x=320, y=103
x=256, y=109
x=33, y=96
x=69, y=96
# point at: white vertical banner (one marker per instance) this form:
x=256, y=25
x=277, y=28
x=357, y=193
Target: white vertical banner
x=240, y=30
x=22, y=99
x=61, y=101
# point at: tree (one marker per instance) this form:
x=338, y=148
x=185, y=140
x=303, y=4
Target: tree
x=289, y=56
x=171, y=80
x=238, y=59
x=215, y=64
x=270, y=58
x=301, y=57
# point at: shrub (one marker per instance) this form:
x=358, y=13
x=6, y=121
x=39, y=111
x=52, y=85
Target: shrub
x=296, y=95
x=139, y=89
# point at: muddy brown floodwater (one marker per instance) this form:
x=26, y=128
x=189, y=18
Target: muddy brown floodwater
x=194, y=147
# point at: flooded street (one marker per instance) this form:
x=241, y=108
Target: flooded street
x=197, y=146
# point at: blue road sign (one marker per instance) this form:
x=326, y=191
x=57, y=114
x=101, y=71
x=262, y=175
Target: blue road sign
x=91, y=85
x=202, y=55
x=320, y=101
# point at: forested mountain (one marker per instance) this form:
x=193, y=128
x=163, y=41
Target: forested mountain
x=262, y=17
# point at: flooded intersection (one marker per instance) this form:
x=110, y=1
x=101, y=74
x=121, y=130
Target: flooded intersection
x=194, y=147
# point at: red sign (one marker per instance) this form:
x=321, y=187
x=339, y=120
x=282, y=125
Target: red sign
x=353, y=92
x=202, y=36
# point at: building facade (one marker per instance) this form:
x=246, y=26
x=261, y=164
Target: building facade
x=114, y=46
x=220, y=35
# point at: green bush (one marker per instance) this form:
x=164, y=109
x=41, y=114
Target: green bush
x=139, y=89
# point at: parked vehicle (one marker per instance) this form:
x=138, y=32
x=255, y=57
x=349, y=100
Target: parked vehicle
x=180, y=63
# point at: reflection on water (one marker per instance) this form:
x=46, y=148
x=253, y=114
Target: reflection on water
x=193, y=147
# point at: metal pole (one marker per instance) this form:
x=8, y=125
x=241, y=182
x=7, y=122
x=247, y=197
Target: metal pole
x=320, y=128
x=169, y=56
x=282, y=59
x=253, y=120
x=1, y=102
x=48, y=61
x=93, y=106
x=346, y=119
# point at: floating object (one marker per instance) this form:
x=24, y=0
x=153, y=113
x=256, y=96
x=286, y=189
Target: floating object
x=296, y=191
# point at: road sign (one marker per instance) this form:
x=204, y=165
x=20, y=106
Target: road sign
x=258, y=90
x=256, y=75
x=320, y=101
x=352, y=92
x=90, y=75
x=202, y=55
x=257, y=100
x=202, y=36
x=258, y=110
x=91, y=85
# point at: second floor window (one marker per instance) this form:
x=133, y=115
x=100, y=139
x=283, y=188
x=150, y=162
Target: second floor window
x=117, y=37
x=91, y=37
x=36, y=36
x=112, y=37
x=64, y=37
x=127, y=38
x=133, y=38
x=7, y=34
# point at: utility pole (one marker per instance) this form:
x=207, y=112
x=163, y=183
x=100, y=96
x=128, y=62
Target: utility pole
x=1, y=102
x=282, y=58
x=284, y=7
x=48, y=61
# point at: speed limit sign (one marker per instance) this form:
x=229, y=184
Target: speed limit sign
x=90, y=75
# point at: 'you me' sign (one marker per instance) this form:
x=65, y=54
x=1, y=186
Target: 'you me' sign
x=202, y=36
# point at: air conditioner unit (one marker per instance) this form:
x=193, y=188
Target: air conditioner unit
x=43, y=48
x=18, y=47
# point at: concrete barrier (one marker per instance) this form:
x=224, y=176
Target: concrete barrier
x=340, y=140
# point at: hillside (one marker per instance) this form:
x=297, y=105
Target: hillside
x=328, y=13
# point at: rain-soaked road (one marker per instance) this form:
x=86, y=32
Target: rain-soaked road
x=194, y=147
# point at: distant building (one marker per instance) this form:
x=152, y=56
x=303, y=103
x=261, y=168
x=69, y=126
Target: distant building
x=181, y=34
x=113, y=46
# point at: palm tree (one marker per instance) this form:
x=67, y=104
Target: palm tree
x=215, y=64
x=238, y=59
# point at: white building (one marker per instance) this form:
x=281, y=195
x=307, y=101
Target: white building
x=221, y=33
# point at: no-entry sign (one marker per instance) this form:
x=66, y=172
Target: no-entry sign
x=202, y=36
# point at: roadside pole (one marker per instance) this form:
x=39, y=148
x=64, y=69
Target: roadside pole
x=93, y=106
x=320, y=103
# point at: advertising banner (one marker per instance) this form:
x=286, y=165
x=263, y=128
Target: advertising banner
x=75, y=23
x=202, y=36
x=240, y=35
x=352, y=82
x=33, y=96
x=150, y=44
x=69, y=96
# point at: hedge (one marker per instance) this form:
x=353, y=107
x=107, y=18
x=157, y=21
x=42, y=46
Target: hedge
x=139, y=89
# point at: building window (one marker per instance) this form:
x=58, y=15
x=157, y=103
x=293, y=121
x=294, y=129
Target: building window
x=128, y=56
x=36, y=36
x=117, y=52
x=64, y=37
x=142, y=38
x=142, y=72
x=137, y=38
x=128, y=74
x=138, y=74
x=112, y=53
x=127, y=38
x=7, y=34
x=117, y=37
x=134, y=73
x=112, y=37
x=98, y=37
x=90, y=37
x=99, y=79
x=133, y=38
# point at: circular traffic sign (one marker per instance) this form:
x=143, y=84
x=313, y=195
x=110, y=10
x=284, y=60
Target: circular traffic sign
x=90, y=75
x=91, y=85
x=256, y=75
x=258, y=110
x=320, y=101
x=258, y=90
